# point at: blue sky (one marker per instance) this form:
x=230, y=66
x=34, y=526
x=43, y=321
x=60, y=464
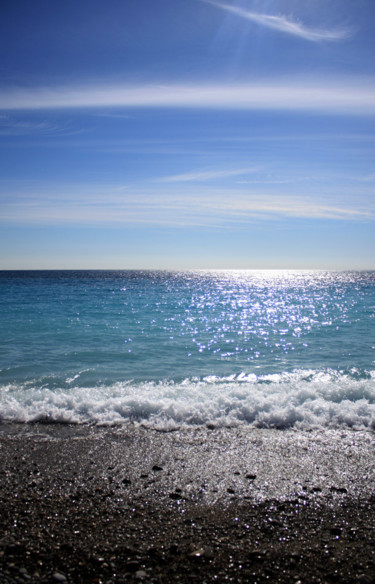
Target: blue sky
x=187, y=134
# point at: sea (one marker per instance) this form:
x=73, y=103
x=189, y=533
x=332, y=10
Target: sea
x=170, y=349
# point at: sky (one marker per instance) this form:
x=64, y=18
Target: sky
x=176, y=134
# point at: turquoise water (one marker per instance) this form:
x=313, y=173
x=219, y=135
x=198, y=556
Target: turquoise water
x=269, y=348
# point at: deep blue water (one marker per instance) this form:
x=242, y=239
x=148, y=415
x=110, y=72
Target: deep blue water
x=270, y=348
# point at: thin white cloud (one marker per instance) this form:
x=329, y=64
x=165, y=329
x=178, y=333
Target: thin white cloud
x=354, y=96
x=204, y=175
x=13, y=127
x=111, y=115
x=285, y=25
x=176, y=207
x=269, y=181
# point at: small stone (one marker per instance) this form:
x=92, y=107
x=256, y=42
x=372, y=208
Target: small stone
x=174, y=496
x=132, y=565
x=340, y=490
x=59, y=577
x=198, y=553
x=140, y=574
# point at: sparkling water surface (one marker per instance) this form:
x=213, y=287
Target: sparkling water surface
x=270, y=348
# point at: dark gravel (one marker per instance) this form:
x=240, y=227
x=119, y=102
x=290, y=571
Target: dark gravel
x=80, y=504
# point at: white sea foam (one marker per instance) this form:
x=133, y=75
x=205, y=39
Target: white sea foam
x=301, y=399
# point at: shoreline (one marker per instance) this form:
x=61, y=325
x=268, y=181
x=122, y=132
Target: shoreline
x=129, y=504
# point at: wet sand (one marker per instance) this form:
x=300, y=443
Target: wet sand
x=131, y=504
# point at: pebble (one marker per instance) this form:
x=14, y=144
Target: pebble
x=132, y=565
x=174, y=496
x=340, y=490
x=197, y=553
x=206, y=552
x=59, y=577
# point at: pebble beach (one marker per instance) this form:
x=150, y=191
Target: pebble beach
x=84, y=504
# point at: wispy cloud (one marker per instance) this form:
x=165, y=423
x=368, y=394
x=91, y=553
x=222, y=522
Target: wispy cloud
x=204, y=175
x=177, y=206
x=112, y=115
x=285, y=25
x=350, y=95
x=269, y=181
x=13, y=127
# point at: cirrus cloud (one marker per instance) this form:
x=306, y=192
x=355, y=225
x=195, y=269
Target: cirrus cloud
x=349, y=95
x=186, y=207
x=284, y=25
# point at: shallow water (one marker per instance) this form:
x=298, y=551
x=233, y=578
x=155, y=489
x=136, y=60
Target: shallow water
x=269, y=348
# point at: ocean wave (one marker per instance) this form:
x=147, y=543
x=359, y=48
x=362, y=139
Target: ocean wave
x=302, y=399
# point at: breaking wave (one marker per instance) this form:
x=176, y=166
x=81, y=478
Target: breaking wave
x=302, y=399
